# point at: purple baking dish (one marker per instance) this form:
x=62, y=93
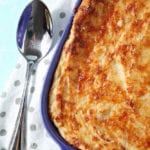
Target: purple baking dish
x=52, y=130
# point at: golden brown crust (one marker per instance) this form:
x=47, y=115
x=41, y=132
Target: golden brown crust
x=100, y=96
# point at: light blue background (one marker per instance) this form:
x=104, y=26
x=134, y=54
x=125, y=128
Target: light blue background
x=10, y=11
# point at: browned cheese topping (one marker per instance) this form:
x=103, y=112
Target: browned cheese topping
x=100, y=96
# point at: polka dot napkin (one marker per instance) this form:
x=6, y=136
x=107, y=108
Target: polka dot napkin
x=10, y=98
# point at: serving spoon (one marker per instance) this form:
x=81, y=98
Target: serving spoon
x=34, y=39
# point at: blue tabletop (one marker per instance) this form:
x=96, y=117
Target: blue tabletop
x=10, y=12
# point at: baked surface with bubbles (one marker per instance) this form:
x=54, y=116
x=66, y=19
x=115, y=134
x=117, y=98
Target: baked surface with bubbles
x=100, y=96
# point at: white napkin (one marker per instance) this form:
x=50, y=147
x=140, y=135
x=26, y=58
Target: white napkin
x=37, y=136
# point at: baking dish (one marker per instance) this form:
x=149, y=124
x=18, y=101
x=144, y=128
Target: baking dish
x=52, y=130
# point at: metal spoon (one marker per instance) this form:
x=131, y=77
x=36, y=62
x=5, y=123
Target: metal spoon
x=34, y=38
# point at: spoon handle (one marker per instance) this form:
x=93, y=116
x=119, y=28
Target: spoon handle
x=20, y=131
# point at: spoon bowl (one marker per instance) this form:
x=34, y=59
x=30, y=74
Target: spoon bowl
x=34, y=39
x=34, y=31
